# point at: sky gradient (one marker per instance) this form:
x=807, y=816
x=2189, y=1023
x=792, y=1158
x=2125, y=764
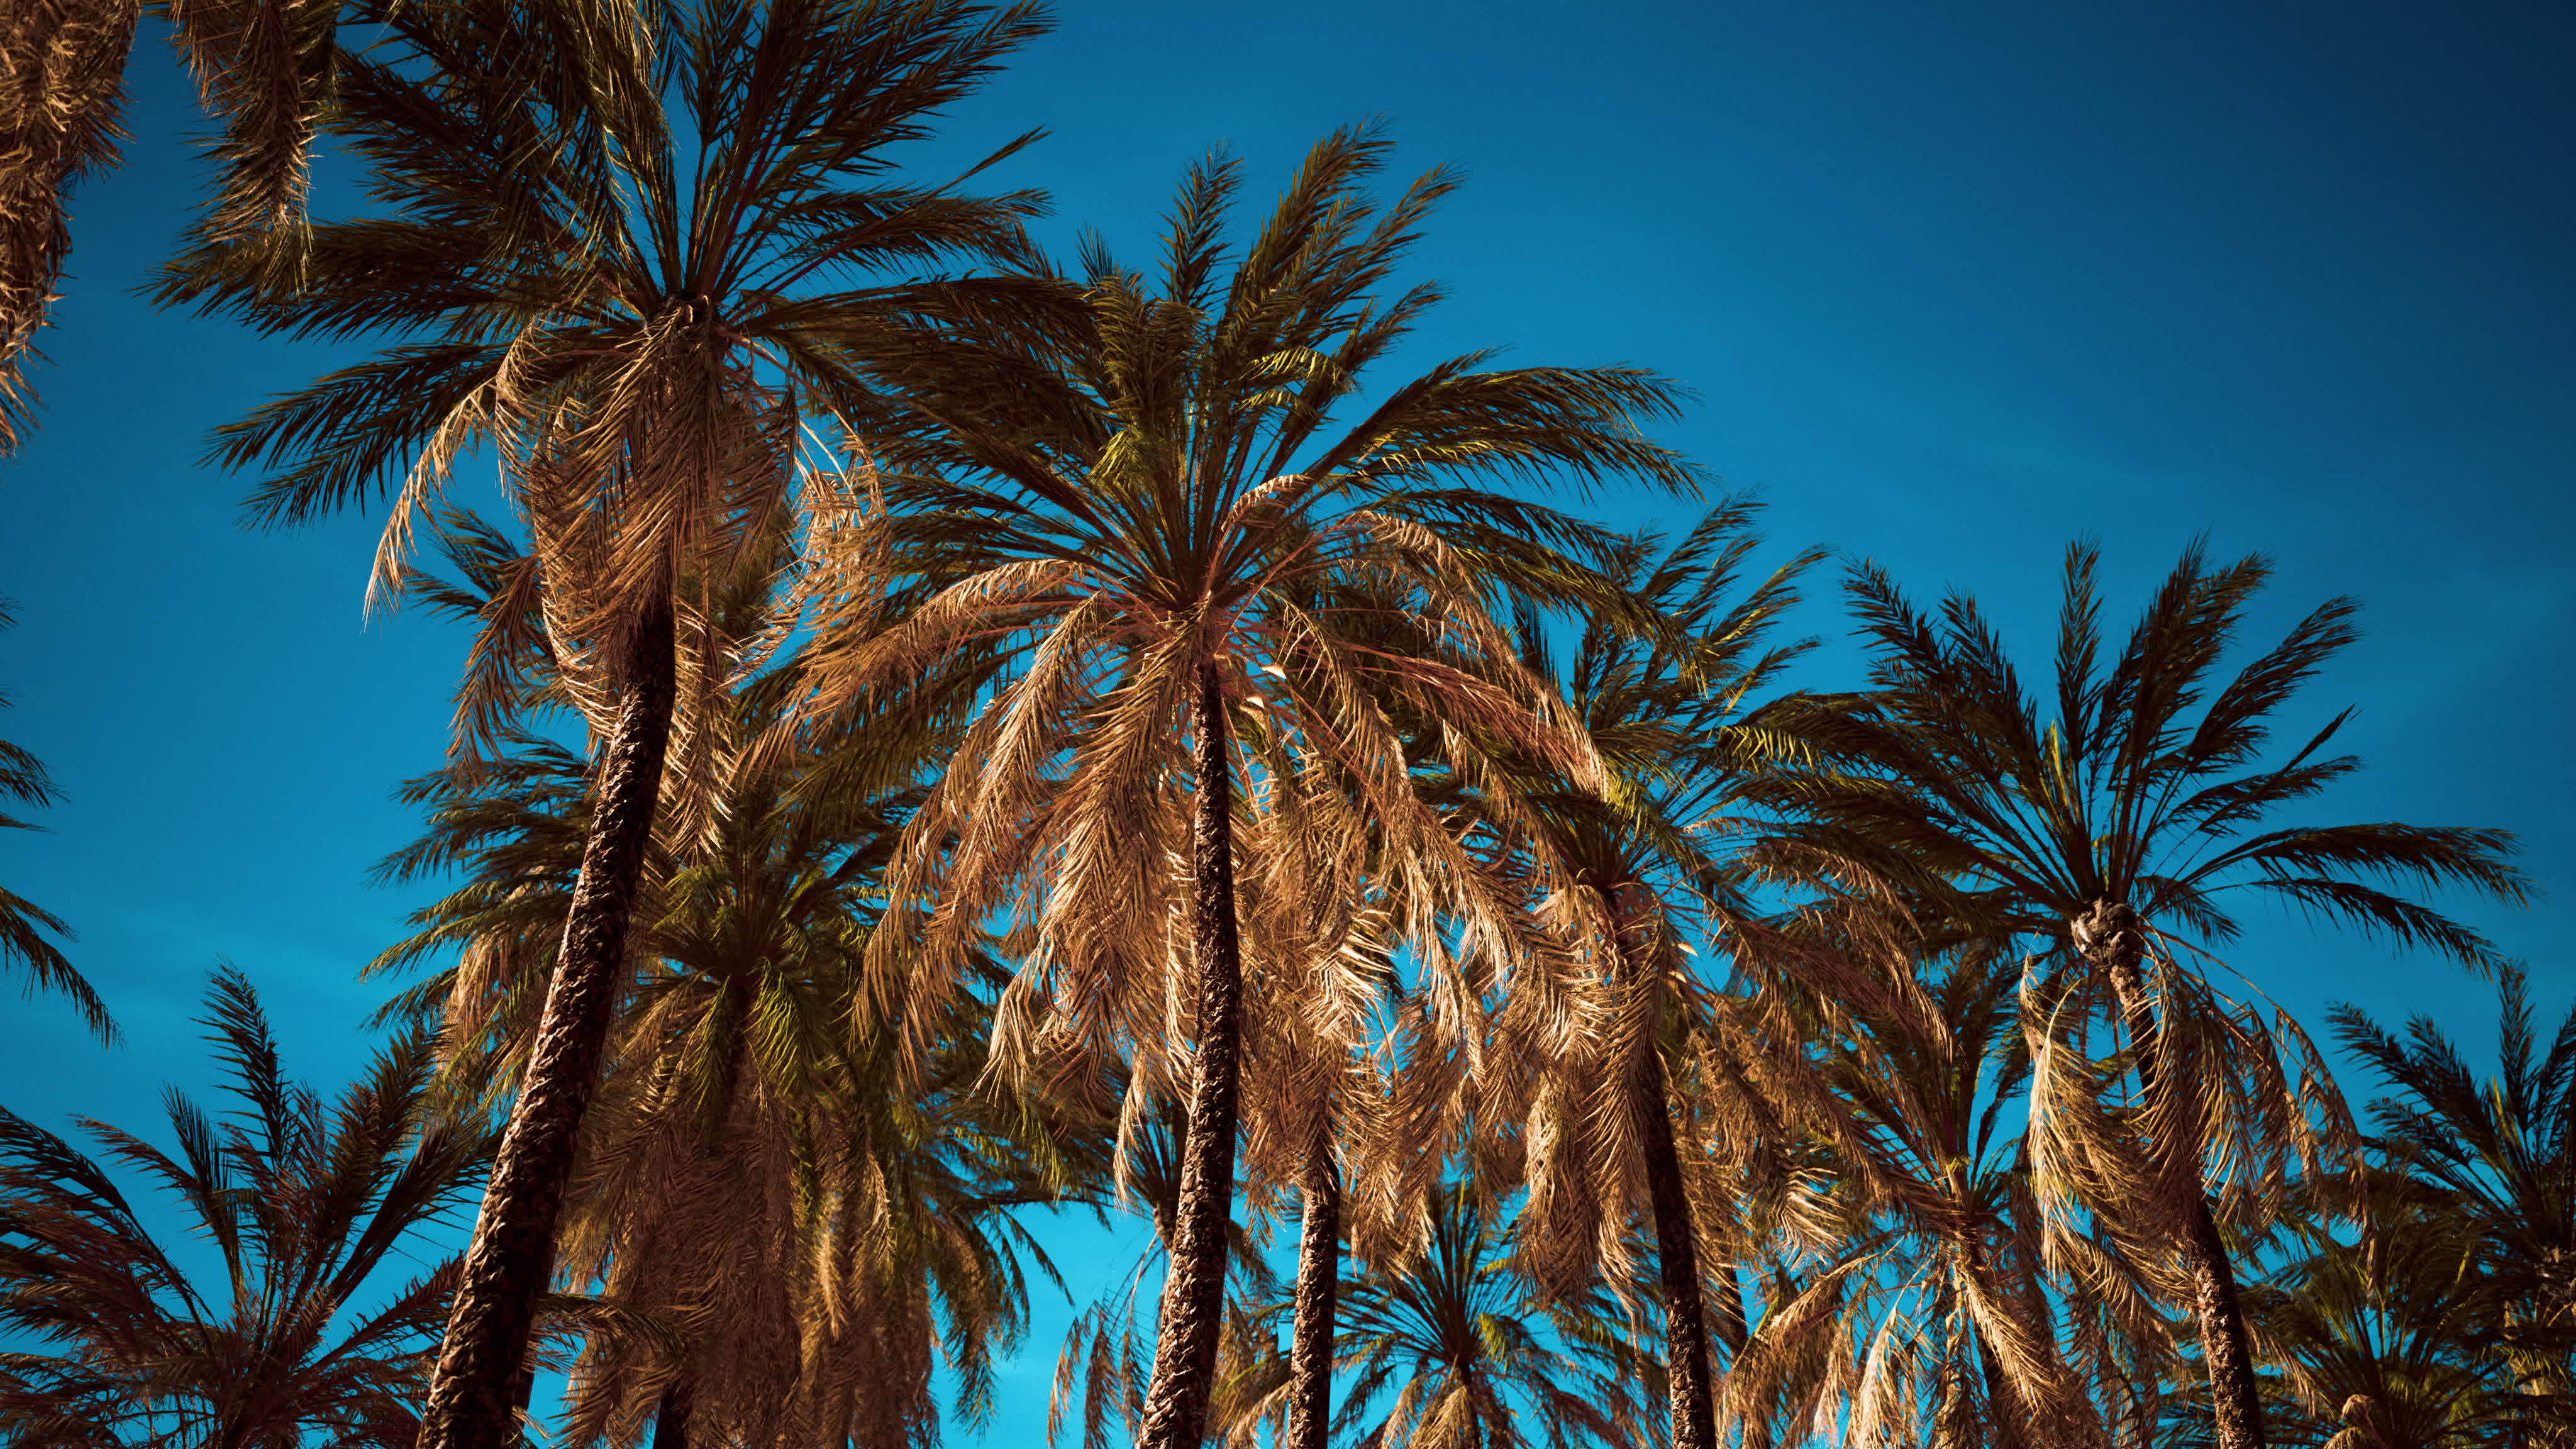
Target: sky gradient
x=1954, y=286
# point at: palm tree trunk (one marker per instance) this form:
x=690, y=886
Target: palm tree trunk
x=1319, y=1283
x=1194, y=1291
x=1677, y=1256
x=512, y=1256
x=2115, y=940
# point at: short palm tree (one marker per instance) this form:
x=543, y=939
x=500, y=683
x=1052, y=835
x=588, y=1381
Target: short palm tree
x=307, y=1202
x=1449, y=1348
x=2495, y=1158
x=623, y=249
x=1156, y=501
x=24, y=925
x=2390, y=1330
x=2108, y=821
x=1931, y=1317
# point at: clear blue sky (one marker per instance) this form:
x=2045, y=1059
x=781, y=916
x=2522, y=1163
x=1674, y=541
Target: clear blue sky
x=1955, y=284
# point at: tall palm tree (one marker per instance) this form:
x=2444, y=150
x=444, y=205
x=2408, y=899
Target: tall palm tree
x=1666, y=711
x=1155, y=501
x=620, y=245
x=307, y=1202
x=2108, y=822
x=24, y=924
x=786, y=1241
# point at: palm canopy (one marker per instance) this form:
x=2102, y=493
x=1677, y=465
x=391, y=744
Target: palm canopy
x=1449, y=1348
x=1163, y=490
x=305, y=1201
x=2494, y=1158
x=2393, y=1332
x=624, y=247
x=2137, y=779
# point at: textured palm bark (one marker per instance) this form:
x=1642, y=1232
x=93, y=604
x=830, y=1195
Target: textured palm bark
x=1677, y=1257
x=1193, y=1309
x=471, y=1399
x=1319, y=1286
x=2114, y=938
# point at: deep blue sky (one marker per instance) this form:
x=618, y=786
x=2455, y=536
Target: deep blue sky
x=1955, y=284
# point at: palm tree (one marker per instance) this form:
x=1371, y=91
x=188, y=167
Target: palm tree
x=23, y=923
x=2495, y=1159
x=307, y=1202
x=263, y=69
x=1155, y=501
x=2110, y=828
x=605, y=230
x=2393, y=1333
x=1931, y=1317
x=785, y=1241
x=1456, y=1345
x=1666, y=711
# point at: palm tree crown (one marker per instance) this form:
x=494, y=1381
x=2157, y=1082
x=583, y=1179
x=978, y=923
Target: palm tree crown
x=2109, y=821
x=1154, y=498
x=305, y=1201
x=621, y=251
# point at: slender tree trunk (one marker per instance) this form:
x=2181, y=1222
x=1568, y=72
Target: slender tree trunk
x=1677, y=1256
x=671, y=1419
x=1194, y=1291
x=1319, y=1285
x=2113, y=937
x=512, y=1256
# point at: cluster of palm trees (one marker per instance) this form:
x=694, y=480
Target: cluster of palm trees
x=949, y=738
